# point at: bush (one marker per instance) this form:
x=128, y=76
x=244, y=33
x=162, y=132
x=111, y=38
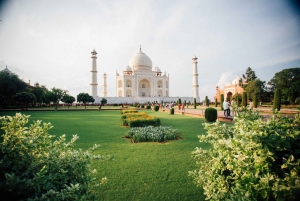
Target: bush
x=128, y=111
x=277, y=100
x=152, y=134
x=211, y=114
x=139, y=120
x=250, y=160
x=34, y=166
x=172, y=111
x=244, y=99
x=148, y=107
x=221, y=101
x=156, y=108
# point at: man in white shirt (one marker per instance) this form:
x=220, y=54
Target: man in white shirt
x=225, y=107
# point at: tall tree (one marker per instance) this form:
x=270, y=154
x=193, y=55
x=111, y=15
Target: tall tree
x=255, y=88
x=288, y=81
x=68, y=99
x=102, y=102
x=39, y=92
x=85, y=98
x=277, y=100
x=10, y=84
x=247, y=77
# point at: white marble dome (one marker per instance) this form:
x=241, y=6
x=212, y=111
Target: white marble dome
x=140, y=62
x=157, y=70
x=127, y=69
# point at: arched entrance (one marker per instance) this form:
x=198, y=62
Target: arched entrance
x=229, y=94
x=144, y=88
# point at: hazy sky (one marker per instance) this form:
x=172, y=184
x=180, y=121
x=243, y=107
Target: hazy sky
x=50, y=42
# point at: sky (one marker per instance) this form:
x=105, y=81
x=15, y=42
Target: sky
x=50, y=42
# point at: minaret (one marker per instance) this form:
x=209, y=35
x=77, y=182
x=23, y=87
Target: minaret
x=104, y=86
x=195, y=79
x=94, y=72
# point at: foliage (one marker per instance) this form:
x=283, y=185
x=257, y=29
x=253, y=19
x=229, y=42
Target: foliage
x=39, y=92
x=148, y=107
x=128, y=111
x=68, y=99
x=238, y=98
x=211, y=114
x=221, y=101
x=277, y=100
x=216, y=102
x=244, y=99
x=255, y=101
x=206, y=101
x=25, y=98
x=139, y=120
x=179, y=101
x=195, y=104
x=103, y=101
x=10, y=84
x=247, y=77
x=55, y=95
x=255, y=88
x=288, y=80
x=251, y=160
x=35, y=167
x=172, y=110
x=152, y=134
x=85, y=98
x=156, y=108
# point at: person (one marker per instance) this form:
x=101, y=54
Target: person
x=228, y=109
x=260, y=104
x=182, y=109
x=233, y=104
x=250, y=104
x=225, y=107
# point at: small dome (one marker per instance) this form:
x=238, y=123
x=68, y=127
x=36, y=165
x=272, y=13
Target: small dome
x=127, y=69
x=7, y=70
x=140, y=61
x=157, y=70
x=236, y=80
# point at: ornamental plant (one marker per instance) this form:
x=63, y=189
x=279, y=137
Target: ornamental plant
x=221, y=101
x=172, y=111
x=195, y=104
x=156, y=108
x=211, y=114
x=152, y=134
x=34, y=166
x=244, y=99
x=252, y=160
x=277, y=100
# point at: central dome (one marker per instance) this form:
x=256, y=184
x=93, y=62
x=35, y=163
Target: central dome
x=140, y=61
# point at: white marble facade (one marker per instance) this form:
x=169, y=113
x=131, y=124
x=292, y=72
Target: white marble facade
x=139, y=80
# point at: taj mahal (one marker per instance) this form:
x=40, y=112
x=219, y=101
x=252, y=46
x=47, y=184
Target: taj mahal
x=139, y=82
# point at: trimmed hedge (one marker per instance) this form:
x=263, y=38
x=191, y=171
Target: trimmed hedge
x=128, y=111
x=172, y=111
x=139, y=120
x=211, y=114
x=156, y=108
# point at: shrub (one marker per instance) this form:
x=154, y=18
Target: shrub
x=139, y=120
x=172, y=111
x=221, y=101
x=156, y=108
x=251, y=160
x=277, y=100
x=35, y=167
x=148, y=107
x=244, y=99
x=211, y=114
x=195, y=104
x=255, y=101
x=153, y=134
x=216, y=102
x=206, y=101
x=128, y=111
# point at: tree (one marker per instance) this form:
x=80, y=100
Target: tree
x=85, y=98
x=247, y=77
x=195, y=103
x=68, y=99
x=179, y=103
x=10, y=84
x=277, y=100
x=39, y=92
x=255, y=88
x=221, y=101
x=216, y=102
x=35, y=166
x=288, y=80
x=238, y=98
x=55, y=95
x=25, y=98
x=102, y=102
x=250, y=160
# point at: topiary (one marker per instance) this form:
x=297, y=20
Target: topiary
x=277, y=100
x=221, y=101
x=195, y=106
x=216, y=102
x=244, y=99
x=172, y=111
x=206, y=101
x=148, y=107
x=156, y=108
x=211, y=114
x=255, y=101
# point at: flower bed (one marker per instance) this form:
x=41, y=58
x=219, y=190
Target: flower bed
x=139, y=120
x=152, y=134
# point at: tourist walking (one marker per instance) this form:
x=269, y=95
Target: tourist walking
x=225, y=107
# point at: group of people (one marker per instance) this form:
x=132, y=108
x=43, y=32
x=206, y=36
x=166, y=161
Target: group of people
x=227, y=105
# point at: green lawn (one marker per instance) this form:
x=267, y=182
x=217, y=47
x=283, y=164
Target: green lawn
x=142, y=171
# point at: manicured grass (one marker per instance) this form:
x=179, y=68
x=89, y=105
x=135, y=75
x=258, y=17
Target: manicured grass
x=141, y=171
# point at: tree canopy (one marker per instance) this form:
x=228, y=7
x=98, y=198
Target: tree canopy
x=85, y=98
x=25, y=98
x=288, y=81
